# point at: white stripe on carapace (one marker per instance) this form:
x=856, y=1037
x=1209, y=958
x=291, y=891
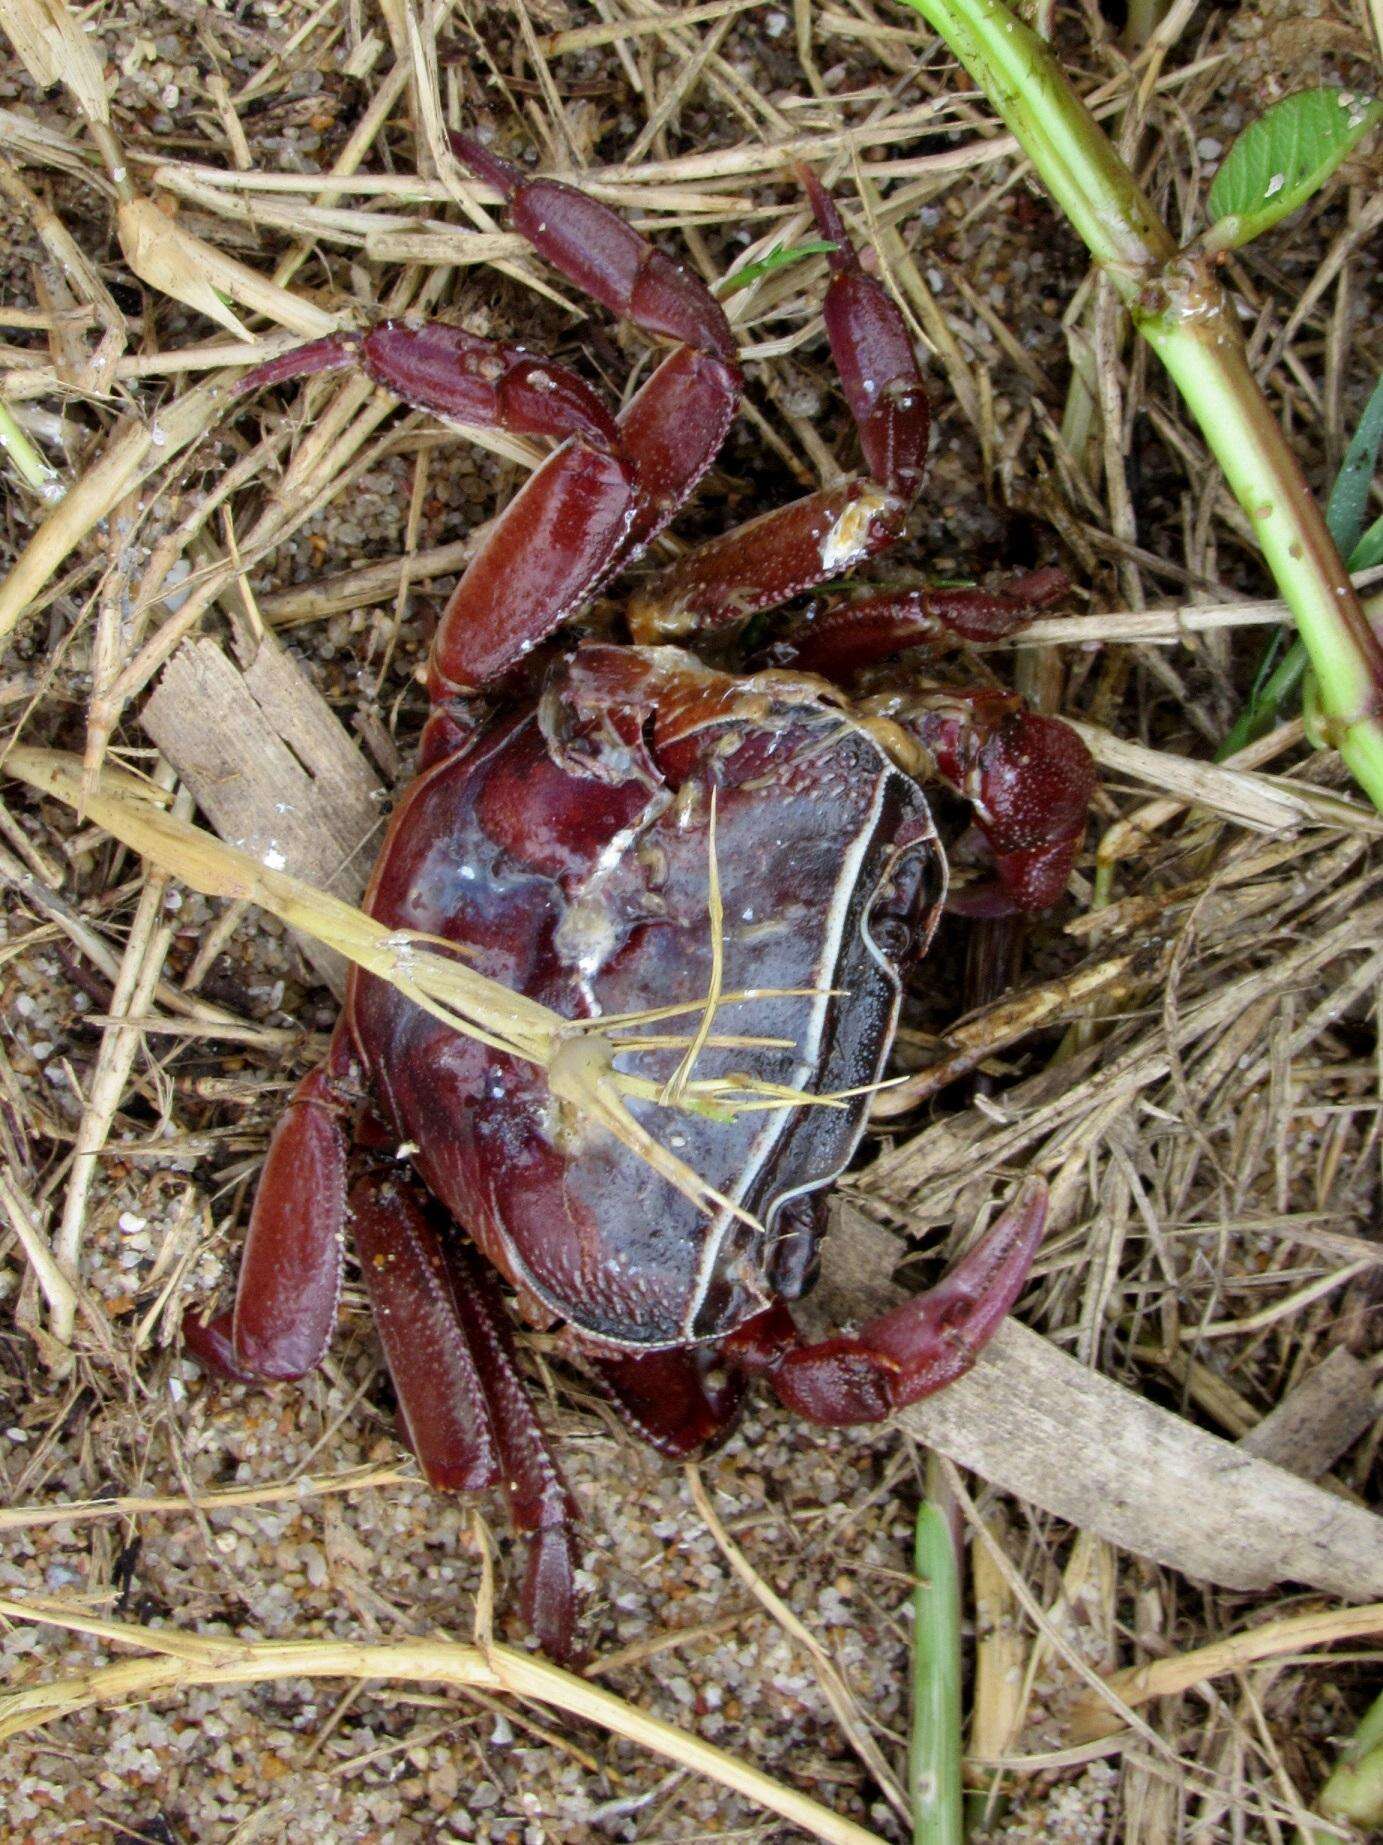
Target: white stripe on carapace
x=777, y=1121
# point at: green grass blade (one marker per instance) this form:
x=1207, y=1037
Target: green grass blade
x=934, y=1755
x=1354, y=1791
x=778, y=257
x=1347, y=506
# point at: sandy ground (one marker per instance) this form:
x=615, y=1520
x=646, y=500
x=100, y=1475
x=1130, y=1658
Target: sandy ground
x=1232, y=1188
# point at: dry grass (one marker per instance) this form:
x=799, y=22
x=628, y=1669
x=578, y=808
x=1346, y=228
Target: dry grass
x=1190, y=1052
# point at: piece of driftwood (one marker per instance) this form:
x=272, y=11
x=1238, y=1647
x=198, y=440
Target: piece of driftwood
x=1318, y=1419
x=1041, y=1425
x=272, y=769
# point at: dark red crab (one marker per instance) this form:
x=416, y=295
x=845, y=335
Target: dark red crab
x=565, y=840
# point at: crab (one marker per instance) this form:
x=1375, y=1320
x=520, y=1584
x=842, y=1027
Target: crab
x=571, y=809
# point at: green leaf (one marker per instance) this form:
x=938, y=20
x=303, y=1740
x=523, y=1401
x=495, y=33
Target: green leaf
x=1282, y=158
x=1369, y=550
x=1349, y=497
x=777, y=258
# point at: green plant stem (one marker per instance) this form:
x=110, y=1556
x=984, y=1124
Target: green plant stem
x=1178, y=305
x=28, y=463
x=934, y=1754
x=1354, y=1791
x=1194, y=336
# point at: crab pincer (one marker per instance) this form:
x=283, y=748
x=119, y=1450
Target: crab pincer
x=1029, y=779
x=911, y=1352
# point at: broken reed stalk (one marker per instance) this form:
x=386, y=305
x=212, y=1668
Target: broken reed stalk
x=576, y=1054
x=1175, y=300
x=183, y=1660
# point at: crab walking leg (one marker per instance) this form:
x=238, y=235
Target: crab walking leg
x=543, y=557
x=463, y=1404
x=845, y=636
x=593, y=247
x=673, y=428
x=459, y=376
x=874, y=357
x=596, y=503
x=767, y=561
x=614, y=484
x=911, y=1352
x=540, y=1502
x=668, y=1397
x=565, y=530
x=290, y=1273
x=796, y=547
x=413, y=1297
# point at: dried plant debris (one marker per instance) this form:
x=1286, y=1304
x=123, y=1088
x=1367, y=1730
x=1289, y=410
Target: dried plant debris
x=237, y=1614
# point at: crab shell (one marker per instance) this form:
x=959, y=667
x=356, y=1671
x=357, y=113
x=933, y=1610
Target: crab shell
x=568, y=846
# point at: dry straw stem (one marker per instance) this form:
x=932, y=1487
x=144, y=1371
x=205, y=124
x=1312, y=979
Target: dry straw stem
x=184, y=1660
x=56, y=1288
x=1267, y=803
x=1009, y=1020
x=232, y=1499
x=134, y=451
x=53, y=48
x=171, y=259
x=151, y=936
x=1183, y=622
x=1092, y=1719
x=67, y=286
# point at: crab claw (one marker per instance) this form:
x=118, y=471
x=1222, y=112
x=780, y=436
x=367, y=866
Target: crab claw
x=936, y=1338
x=911, y=1352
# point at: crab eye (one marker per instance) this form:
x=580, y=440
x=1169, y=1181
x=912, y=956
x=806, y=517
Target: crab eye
x=893, y=936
